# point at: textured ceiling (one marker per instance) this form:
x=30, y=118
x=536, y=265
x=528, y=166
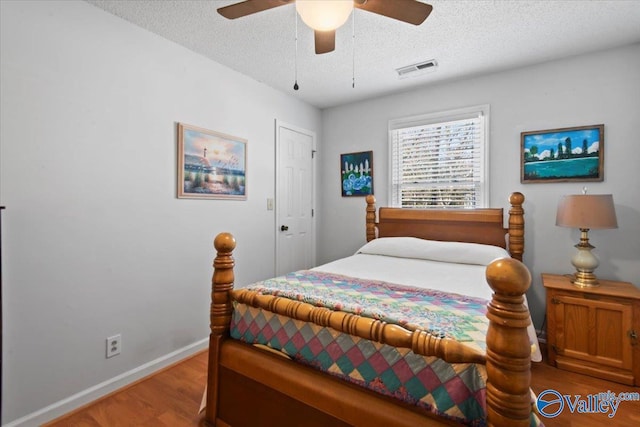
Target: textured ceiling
x=464, y=37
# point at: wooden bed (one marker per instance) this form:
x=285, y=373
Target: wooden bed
x=251, y=386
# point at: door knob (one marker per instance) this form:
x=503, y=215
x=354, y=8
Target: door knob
x=284, y=228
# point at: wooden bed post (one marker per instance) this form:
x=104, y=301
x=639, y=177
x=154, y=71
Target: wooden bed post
x=371, y=217
x=508, y=347
x=220, y=315
x=516, y=225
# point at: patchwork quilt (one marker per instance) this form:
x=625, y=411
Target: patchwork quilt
x=454, y=391
x=460, y=317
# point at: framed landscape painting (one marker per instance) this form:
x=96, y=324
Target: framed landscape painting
x=211, y=165
x=562, y=155
x=356, y=173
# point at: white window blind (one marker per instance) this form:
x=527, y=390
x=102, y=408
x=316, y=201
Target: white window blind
x=439, y=160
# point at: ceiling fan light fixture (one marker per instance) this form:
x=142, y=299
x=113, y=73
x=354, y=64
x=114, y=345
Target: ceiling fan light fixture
x=324, y=15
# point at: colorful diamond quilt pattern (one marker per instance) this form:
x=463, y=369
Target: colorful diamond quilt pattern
x=455, y=316
x=455, y=391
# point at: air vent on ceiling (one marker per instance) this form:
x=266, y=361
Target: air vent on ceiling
x=417, y=69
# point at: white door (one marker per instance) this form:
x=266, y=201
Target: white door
x=294, y=199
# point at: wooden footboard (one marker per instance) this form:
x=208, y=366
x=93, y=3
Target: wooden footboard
x=507, y=357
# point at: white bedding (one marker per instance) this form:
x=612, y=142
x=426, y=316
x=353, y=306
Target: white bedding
x=459, y=268
x=463, y=279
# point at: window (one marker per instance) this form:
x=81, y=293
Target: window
x=440, y=160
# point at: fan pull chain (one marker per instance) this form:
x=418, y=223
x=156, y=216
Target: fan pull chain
x=295, y=84
x=353, y=50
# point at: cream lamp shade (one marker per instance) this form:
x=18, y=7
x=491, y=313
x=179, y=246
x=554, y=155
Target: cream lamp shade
x=585, y=212
x=324, y=15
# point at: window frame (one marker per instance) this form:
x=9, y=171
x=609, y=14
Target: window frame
x=482, y=111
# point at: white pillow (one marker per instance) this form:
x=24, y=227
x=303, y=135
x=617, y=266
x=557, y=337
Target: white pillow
x=455, y=252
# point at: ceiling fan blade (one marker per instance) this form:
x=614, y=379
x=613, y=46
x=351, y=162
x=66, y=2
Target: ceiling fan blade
x=325, y=41
x=409, y=11
x=248, y=7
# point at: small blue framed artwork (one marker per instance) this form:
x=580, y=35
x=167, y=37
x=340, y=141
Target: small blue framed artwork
x=562, y=155
x=356, y=173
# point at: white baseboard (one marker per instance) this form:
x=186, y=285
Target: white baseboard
x=64, y=406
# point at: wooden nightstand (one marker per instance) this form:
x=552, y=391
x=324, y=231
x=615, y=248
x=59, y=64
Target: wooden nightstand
x=594, y=331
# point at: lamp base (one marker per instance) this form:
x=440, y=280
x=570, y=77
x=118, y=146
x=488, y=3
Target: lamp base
x=585, y=279
x=585, y=262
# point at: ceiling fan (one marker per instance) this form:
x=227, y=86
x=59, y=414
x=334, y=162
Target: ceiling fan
x=325, y=16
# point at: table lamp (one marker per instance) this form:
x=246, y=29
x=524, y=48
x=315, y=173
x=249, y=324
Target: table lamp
x=586, y=211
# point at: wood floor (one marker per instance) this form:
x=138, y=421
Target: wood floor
x=172, y=398
x=169, y=398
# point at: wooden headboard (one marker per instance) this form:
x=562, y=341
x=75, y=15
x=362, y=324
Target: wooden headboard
x=484, y=226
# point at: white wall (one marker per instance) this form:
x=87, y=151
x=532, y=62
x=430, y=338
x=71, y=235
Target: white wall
x=586, y=90
x=95, y=241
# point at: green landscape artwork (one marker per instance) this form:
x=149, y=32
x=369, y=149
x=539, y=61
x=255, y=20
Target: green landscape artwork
x=563, y=155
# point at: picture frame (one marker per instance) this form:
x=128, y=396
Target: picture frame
x=356, y=173
x=562, y=155
x=211, y=165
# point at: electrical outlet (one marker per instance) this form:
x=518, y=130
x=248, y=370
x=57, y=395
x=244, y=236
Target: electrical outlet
x=114, y=345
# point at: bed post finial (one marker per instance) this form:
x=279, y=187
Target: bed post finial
x=220, y=315
x=516, y=225
x=508, y=346
x=371, y=217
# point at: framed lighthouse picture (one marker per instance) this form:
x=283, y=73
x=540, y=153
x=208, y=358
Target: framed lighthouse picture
x=211, y=165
